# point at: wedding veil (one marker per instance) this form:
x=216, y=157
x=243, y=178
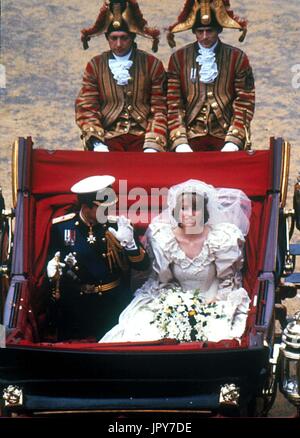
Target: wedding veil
x=224, y=204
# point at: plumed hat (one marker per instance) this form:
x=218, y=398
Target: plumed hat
x=121, y=15
x=202, y=13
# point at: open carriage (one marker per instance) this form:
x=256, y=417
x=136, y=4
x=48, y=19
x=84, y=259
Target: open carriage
x=41, y=376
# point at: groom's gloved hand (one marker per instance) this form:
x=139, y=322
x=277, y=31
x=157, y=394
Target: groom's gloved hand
x=124, y=233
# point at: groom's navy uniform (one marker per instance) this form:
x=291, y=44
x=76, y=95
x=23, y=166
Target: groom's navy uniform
x=96, y=289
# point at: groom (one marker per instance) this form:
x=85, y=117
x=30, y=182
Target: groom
x=90, y=261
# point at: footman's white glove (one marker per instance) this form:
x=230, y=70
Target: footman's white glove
x=150, y=150
x=54, y=266
x=100, y=147
x=229, y=147
x=124, y=233
x=183, y=148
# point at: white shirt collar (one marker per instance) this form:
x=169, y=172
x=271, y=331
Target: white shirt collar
x=209, y=49
x=124, y=57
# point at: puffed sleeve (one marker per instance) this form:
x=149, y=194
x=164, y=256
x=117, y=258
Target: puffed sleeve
x=226, y=243
x=157, y=240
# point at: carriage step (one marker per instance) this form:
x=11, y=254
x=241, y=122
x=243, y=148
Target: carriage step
x=193, y=402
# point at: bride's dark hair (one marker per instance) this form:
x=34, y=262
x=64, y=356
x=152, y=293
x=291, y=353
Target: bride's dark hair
x=198, y=200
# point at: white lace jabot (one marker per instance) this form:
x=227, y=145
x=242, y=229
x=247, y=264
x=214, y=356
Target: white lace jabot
x=119, y=68
x=207, y=61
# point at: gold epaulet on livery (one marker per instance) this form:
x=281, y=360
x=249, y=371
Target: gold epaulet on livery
x=63, y=218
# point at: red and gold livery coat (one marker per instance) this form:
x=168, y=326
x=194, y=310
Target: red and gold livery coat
x=222, y=108
x=102, y=102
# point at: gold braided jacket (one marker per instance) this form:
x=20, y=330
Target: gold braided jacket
x=102, y=103
x=222, y=108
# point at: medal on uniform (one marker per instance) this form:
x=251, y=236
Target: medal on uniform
x=91, y=238
x=70, y=237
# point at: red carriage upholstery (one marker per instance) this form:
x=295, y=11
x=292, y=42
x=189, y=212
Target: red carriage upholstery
x=54, y=172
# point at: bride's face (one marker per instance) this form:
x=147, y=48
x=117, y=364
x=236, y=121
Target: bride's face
x=191, y=210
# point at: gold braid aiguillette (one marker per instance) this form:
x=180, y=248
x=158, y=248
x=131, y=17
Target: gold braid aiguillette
x=115, y=253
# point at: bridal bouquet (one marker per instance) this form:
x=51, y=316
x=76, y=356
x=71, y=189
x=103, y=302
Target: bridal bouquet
x=183, y=315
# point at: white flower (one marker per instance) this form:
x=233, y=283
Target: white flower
x=183, y=315
x=181, y=309
x=173, y=300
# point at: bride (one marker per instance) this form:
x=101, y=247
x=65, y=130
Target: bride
x=195, y=289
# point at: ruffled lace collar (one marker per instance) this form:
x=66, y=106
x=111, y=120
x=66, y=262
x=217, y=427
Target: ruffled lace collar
x=174, y=252
x=208, y=64
x=119, y=66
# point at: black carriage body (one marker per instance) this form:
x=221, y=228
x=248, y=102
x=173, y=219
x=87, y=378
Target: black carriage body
x=158, y=376
x=141, y=380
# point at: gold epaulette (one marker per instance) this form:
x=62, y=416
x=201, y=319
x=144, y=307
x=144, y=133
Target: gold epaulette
x=63, y=218
x=115, y=253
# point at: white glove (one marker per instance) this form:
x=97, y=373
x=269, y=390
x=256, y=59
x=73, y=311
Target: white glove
x=70, y=260
x=100, y=147
x=150, y=150
x=184, y=147
x=229, y=147
x=54, y=266
x=124, y=233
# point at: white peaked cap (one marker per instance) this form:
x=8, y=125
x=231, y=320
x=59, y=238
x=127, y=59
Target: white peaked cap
x=93, y=184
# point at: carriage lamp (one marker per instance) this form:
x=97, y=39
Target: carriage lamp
x=290, y=362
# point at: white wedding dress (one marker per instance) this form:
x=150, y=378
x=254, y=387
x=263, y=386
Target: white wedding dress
x=215, y=272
